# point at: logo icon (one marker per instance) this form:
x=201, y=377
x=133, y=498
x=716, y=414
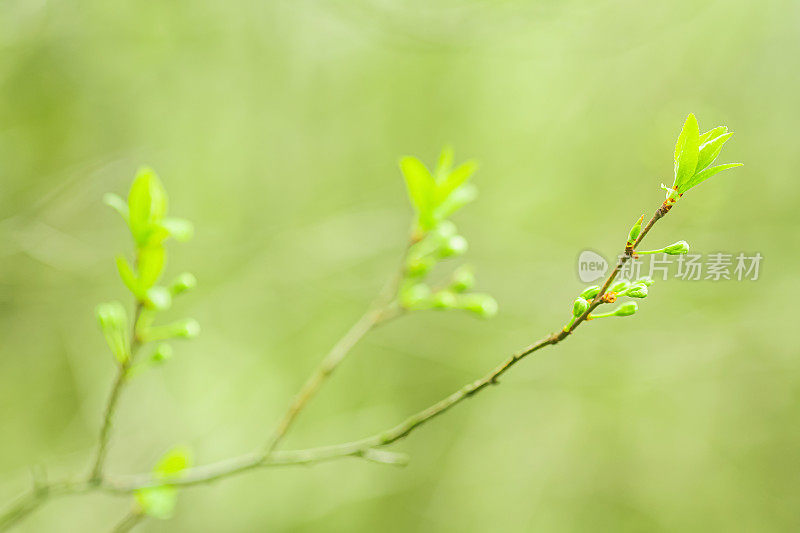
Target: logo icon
x=591, y=266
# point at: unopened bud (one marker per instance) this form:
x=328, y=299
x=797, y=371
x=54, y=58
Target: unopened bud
x=188, y=329
x=635, y=231
x=184, y=282
x=482, y=305
x=419, y=266
x=463, y=279
x=620, y=286
x=415, y=296
x=162, y=353
x=454, y=246
x=679, y=248
x=590, y=292
x=646, y=281
x=444, y=300
x=626, y=309
x=158, y=298
x=579, y=307
x=445, y=229
x=637, y=291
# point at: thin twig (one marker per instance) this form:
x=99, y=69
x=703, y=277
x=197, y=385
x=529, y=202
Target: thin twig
x=96, y=474
x=359, y=448
x=129, y=521
x=380, y=312
x=32, y=500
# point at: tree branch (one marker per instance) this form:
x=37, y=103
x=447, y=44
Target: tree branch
x=381, y=311
x=96, y=474
x=128, y=522
x=367, y=446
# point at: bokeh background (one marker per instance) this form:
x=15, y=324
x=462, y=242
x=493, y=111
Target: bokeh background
x=276, y=128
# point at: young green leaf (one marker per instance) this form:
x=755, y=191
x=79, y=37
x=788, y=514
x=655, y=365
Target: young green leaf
x=117, y=203
x=710, y=150
x=454, y=180
x=713, y=134
x=457, y=199
x=687, y=152
x=702, y=176
x=590, y=292
x=421, y=188
x=636, y=229
x=128, y=277
x=178, y=228
x=151, y=265
x=445, y=164
x=147, y=204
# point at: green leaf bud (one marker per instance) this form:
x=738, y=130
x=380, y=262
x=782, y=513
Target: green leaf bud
x=189, y=328
x=626, y=309
x=482, y=305
x=463, y=279
x=645, y=280
x=454, y=246
x=445, y=229
x=162, y=353
x=590, y=292
x=620, y=286
x=415, y=296
x=672, y=194
x=635, y=231
x=579, y=307
x=444, y=300
x=184, y=282
x=637, y=291
x=419, y=266
x=158, y=298
x=678, y=248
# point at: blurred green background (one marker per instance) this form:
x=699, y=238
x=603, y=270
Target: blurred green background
x=276, y=127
